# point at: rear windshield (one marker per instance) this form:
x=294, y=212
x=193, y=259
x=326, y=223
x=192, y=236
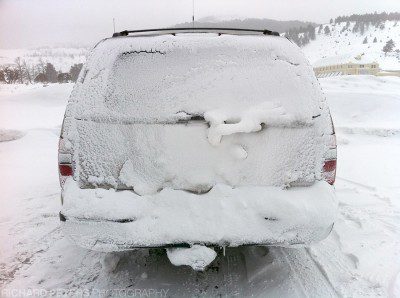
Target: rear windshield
x=159, y=77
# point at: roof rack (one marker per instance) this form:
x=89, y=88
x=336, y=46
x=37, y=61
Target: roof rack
x=174, y=31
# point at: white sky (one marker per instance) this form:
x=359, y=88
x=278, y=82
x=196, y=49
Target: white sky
x=28, y=23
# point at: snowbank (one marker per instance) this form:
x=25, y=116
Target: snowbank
x=111, y=220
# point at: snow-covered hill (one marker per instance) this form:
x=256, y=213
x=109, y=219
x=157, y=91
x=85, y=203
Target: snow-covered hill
x=343, y=44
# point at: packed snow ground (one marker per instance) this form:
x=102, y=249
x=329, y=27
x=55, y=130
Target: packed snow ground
x=360, y=258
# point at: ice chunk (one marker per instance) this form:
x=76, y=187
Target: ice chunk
x=198, y=256
x=225, y=122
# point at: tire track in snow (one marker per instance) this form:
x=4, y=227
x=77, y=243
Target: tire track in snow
x=371, y=188
x=323, y=272
x=306, y=274
x=364, y=224
x=26, y=245
x=26, y=258
x=294, y=273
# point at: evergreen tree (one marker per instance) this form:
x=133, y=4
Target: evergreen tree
x=375, y=40
x=362, y=28
x=389, y=46
x=311, y=31
x=327, y=30
x=365, y=40
x=40, y=78
x=64, y=77
x=305, y=40
x=356, y=27
x=2, y=76
x=74, y=71
x=50, y=73
x=372, y=18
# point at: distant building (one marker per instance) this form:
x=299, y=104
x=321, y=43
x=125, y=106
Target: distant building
x=342, y=65
x=391, y=73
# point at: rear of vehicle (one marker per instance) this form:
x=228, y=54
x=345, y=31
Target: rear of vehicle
x=217, y=139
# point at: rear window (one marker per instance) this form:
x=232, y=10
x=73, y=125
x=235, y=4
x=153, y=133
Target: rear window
x=158, y=77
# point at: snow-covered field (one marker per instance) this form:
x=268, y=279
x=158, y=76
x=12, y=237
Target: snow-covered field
x=361, y=257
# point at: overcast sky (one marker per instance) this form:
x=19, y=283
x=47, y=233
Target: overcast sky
x=30, y=23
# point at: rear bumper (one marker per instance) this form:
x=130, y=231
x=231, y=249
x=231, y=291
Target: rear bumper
x=106, y=220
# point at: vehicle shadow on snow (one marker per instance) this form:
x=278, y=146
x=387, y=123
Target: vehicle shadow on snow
x=242, y=271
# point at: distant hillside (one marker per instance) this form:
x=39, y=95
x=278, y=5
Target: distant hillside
x=360, y=22
x=372, y=18
x=274, y=25
x=342, y=41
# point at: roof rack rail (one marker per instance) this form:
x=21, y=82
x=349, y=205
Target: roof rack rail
x=173, y=31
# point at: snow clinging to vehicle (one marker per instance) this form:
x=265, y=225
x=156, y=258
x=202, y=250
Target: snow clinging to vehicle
x=197, y=139
x=198, y=256
x=225, y=122
x=145, y=106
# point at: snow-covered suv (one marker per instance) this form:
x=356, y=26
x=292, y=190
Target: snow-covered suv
x=210, y=137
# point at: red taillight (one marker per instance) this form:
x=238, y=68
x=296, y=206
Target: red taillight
x=65, y=170
x=330, y=165
x=329, y=171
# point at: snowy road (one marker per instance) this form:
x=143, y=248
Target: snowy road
x=360, y=258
